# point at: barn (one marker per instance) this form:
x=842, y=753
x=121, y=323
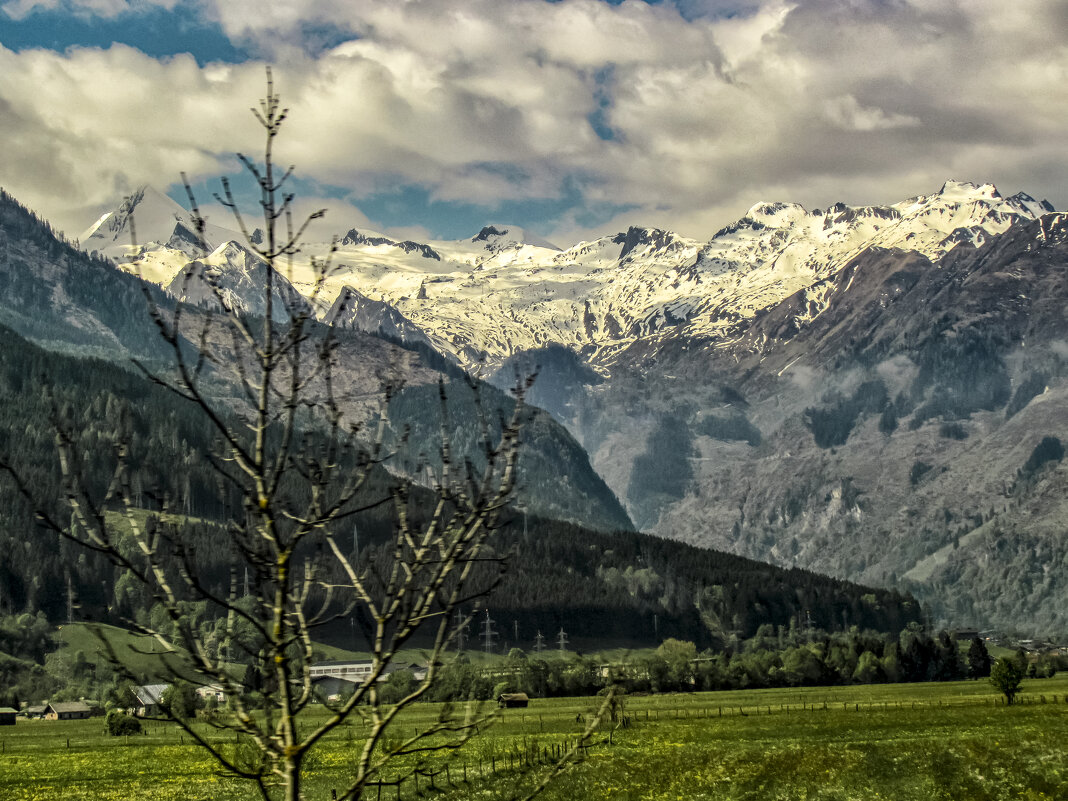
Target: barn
x=512, y=700
x=67, y=710
x=7, y=716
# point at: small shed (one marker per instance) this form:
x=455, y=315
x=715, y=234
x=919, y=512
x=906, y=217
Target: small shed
x=512, y=700
x=36, y=711
x=67, y=710
x=7, y=716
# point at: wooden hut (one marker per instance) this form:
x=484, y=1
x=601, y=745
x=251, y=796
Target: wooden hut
x=512, y=700
x=7, y=716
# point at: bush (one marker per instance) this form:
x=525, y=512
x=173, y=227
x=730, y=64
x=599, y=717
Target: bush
x=1049, y=449
x=918, y=471
x=735, y=427
x=952, y=431
x=181, y=699
x=1006, y=676
x=120, y=724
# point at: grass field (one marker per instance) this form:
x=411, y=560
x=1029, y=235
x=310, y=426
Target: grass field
x=918, y=742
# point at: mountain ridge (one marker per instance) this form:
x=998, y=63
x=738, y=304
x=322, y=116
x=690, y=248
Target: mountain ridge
x=503, y=291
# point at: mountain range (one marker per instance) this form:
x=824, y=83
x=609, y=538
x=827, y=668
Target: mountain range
x=70, y=324
x=874, y=392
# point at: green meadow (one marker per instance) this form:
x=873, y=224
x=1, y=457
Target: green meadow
x=905, y=742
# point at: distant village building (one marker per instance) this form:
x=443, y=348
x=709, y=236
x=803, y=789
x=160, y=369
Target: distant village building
x=36, y=712
x=215, y=691
x=148, y=699
x=67, y=710
x=7, y=716
x=512, y=700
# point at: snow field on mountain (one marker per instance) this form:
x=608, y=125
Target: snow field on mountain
x=504, y=291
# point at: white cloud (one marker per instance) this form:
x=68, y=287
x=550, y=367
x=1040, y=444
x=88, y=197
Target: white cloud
x=845, y=112
x=19, y=9
x=480, y=101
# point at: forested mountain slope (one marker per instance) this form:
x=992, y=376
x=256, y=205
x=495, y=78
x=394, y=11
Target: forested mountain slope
x=617, y=587
x=68, y=301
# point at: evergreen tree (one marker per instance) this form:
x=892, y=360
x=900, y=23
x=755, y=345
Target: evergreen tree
x=978, y=659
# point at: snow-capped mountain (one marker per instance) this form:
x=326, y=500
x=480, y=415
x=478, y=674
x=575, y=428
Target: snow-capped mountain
x=500, y=293
x=155, y=238
x=504, y=291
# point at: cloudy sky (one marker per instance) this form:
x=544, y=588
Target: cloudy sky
x=571, y=117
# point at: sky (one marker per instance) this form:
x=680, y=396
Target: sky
x=572, y=118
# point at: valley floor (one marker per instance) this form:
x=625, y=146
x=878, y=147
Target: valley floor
x=918, y=742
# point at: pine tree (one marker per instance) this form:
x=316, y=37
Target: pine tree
x=978, y=659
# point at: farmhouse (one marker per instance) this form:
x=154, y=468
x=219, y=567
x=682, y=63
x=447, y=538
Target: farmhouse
x=148, y=701
x=7, y=716
x=215, y=691
x=512, y=700
x=67, y=710
x=36, y=712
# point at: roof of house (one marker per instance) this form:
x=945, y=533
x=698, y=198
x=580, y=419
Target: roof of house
x=68, y=706
x=149, y=694
x=6, y=710
x=513, y=697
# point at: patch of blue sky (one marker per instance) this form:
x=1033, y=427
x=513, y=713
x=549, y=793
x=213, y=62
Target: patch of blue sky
x=694, y=9
x=599, y=118
x=452, y=219
x=407, y=205
x=155, y=31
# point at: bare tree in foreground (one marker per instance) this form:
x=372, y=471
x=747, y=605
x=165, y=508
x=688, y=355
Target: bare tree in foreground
x=293, y=470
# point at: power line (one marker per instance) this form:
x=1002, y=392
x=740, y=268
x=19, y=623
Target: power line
x=488, y=635
x=462, y=631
